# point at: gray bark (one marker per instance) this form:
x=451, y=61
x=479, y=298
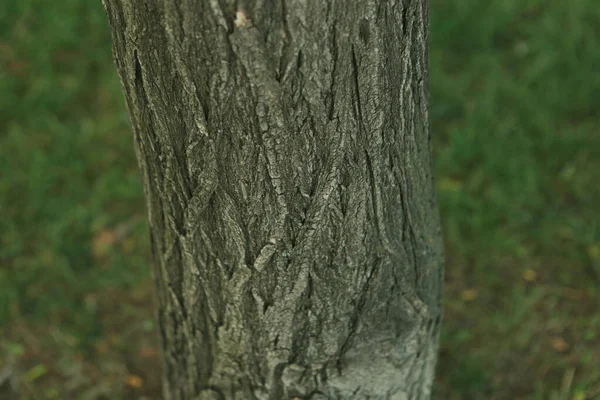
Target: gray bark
x=285, y=152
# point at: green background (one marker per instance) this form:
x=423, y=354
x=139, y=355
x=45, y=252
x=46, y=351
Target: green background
x=515, y=105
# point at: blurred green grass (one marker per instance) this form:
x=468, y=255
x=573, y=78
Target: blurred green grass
x=515, y=105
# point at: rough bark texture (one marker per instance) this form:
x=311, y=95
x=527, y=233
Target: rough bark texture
x=285, y=152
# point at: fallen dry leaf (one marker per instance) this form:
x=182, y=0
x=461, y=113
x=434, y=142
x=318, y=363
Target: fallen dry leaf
x=102, y=242
x=148, y=351
x=559, y=344
x=102, y=347
x=134, y=381
x=530, y=275
x=450, y=185
x=106, y=238
x=572, y=294
x=468, y=294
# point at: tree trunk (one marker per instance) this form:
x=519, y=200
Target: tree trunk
x=285, y=152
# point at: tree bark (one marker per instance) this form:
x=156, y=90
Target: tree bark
x=285, y=152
